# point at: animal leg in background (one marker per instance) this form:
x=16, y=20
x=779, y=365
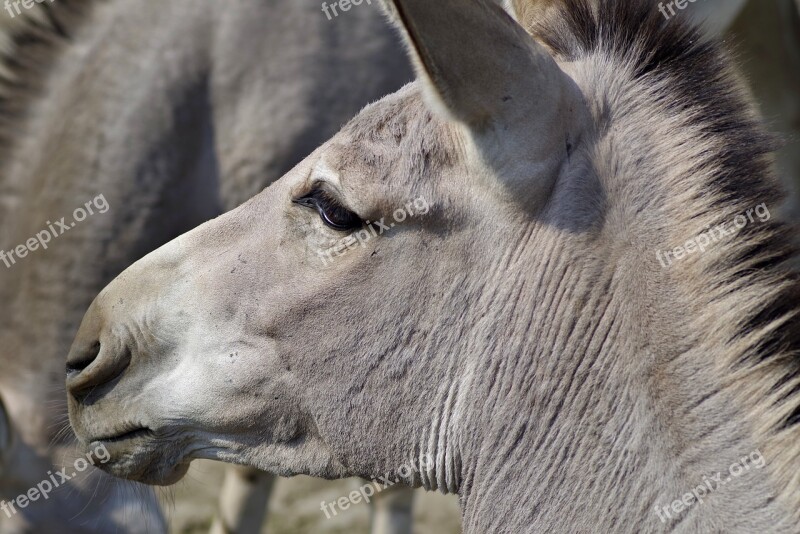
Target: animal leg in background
x=392, y=511
x=243, y=501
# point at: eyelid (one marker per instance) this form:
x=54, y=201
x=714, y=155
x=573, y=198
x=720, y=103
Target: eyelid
x=304, y=200
x=318, y=185
x=319, y=194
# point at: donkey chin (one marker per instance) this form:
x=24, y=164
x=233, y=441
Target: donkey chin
x=149, y=462
x=133, y=452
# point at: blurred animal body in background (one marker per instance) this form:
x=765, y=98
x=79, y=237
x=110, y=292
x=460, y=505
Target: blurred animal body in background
x=175, y=112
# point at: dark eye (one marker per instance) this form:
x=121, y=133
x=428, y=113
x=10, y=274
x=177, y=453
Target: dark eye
x=330, y=210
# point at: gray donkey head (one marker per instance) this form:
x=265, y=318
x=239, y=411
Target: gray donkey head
x=346, y=295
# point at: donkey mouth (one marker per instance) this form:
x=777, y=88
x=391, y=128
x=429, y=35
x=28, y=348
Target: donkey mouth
x=140, y=454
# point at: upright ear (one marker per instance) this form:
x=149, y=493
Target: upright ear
x=5, y=435
x=485, y=71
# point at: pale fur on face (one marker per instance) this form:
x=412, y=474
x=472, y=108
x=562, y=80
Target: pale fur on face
x=520, y=331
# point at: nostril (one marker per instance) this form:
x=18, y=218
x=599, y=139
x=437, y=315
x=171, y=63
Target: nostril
x=83, y=360
x=91, y=373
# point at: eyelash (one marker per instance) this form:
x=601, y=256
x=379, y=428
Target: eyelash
x=330, y=210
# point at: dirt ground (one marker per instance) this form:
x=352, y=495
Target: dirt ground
x=295, y=506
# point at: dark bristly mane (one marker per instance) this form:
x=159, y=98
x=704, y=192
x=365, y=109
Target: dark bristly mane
x=697, y=69
x=731, y=173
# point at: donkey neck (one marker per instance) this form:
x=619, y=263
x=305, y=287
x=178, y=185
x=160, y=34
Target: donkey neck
x=584, y=402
